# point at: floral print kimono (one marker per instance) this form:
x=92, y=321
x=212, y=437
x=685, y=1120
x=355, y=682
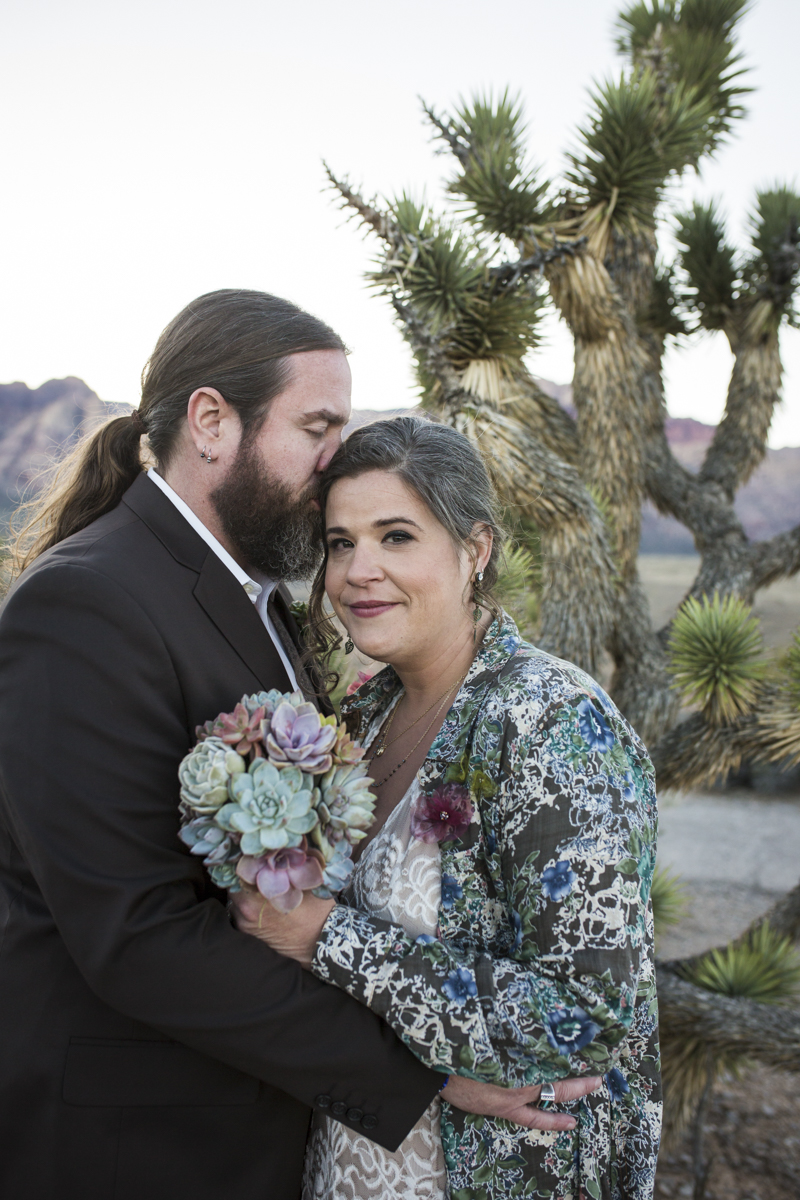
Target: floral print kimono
x=542, y=966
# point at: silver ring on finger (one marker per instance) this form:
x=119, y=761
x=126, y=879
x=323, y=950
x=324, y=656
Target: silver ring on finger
x=547, y=1094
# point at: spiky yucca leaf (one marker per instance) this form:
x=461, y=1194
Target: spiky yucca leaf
x=692, y=44
x=791, y=667
x=709, y=263
x=668, y=894
x=442, y=271
x=662, y=314
x=443, y=275
x=764, y=968
x=635, y=140
x=715, y=649
x=775, y=234
x=503, y=195
x=519, y=587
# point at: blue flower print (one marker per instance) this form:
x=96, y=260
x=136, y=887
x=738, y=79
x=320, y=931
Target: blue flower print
x=451, y=891
x=510, y=643
x=617, y=1084
x=570, y=1029
x=594, y=728
x=557, y=881
x=516, y=925
x=459, y=986
x=425, y=939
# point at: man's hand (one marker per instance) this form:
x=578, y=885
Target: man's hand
x=293, y=934
x=518, y=1104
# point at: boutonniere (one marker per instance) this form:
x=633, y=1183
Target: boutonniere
x=442, y=816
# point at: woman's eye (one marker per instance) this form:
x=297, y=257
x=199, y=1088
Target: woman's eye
x=338, y=544
x=397, y=537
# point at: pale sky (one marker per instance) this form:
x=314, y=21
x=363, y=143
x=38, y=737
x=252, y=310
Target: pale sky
x=156, y=150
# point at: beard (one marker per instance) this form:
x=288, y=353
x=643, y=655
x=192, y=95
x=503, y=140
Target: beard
x=275, y=533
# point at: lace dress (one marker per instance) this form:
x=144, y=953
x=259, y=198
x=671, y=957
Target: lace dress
x=399, y=879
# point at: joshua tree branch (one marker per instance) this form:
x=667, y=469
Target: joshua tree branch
x=459, y=146
x=380, y=222
x=740, y=441
x=768, y=1033
x=777, y=558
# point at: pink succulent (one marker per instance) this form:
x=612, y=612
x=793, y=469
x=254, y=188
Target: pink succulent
x=345, y=749
x=363, y=677
x=282, y=876
x=444, y=815
x=239, y=729
x=299, y=737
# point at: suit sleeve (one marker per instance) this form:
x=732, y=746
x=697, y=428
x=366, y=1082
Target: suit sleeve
x=93, y=729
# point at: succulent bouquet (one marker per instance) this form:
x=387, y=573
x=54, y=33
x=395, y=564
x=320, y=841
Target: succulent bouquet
x=276, y=795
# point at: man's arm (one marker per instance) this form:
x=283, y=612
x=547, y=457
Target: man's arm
x=92, y=733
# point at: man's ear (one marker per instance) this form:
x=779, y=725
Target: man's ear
x=212, y=421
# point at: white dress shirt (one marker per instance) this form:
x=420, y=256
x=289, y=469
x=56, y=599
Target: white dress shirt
x=259, y=590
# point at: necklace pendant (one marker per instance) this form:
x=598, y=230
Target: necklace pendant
x=378, y=753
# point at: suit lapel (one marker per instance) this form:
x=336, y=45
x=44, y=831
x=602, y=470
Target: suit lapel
x=236, y=618
x=216, y=590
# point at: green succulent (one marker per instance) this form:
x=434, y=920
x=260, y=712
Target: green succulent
x=791, y=667
x=715, y=648
x=668, y=894
x=346, y=806
x=205, y=774
x=764, y=968
x=271, y=808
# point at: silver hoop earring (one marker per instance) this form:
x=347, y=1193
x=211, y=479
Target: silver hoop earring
x=203, y=452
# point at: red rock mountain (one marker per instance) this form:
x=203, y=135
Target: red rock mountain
x=36, y=424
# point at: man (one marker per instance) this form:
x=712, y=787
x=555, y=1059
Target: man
x=151, y=1051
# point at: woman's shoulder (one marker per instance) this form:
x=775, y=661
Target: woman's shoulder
x=531, y=675
x=532, y=689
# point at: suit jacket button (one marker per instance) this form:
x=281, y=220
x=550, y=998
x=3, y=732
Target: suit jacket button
x=355, y=1115
x=369, y=1121
x=323, y=1101
x=339, y=1109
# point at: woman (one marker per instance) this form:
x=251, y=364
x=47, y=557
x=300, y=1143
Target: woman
x=498, y=917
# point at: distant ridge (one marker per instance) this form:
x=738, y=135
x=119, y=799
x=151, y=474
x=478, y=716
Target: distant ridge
x=37, y=423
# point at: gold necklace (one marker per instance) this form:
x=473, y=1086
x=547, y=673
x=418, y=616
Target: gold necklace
x=380, y=749
x=426, y=730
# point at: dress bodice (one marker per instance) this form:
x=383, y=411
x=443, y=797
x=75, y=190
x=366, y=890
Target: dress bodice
x=397, y=878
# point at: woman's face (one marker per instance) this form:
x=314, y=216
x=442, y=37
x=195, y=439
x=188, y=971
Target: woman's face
x=396, y=580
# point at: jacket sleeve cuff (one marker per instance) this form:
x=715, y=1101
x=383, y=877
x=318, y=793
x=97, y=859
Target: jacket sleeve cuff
x=358, y=953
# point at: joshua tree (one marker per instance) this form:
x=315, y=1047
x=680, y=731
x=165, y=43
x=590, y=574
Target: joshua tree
x=468, y=288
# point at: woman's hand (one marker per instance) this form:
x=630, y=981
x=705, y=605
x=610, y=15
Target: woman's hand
x=518, y=1104
x=293, y=934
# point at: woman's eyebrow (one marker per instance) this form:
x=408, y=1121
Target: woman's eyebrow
x=396, y=521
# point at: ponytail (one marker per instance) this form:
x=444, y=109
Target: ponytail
x=88, y=482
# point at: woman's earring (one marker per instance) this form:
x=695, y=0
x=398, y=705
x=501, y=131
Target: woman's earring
x=203, y=452
x=349, y=646
x=476, y=612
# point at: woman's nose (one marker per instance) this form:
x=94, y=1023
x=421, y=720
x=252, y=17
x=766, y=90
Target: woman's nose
x=363, y=566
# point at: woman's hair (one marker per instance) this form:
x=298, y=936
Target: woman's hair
x=233, y=340
x=443, y=468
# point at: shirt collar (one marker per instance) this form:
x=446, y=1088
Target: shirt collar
x=253, y=584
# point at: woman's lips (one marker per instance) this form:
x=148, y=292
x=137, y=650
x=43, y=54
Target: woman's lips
x=371, y=608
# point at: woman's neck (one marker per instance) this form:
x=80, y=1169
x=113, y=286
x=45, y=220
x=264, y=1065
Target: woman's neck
x=423, y=676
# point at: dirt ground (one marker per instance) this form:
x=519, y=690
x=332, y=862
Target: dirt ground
x=736, y=852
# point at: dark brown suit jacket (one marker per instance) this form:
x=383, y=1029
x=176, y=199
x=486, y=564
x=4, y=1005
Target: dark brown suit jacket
x=149, y=1050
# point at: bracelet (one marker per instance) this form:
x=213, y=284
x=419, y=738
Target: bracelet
x=444, y=1085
